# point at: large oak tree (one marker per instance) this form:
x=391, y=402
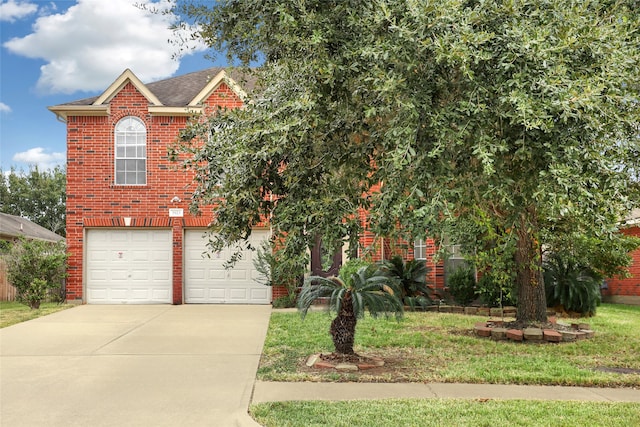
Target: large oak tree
x=517, y=116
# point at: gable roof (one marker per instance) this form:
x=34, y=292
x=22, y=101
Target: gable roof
x=180, y=95
x=13, y=227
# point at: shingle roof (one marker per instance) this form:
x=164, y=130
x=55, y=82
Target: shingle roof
x=633, y=217
x=12, y=227
x=180, y=90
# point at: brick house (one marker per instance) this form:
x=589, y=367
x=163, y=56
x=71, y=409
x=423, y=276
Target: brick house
x=129, y=230
x=627, y=290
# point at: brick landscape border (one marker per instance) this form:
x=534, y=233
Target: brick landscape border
x=497, y=329
x=560, y=332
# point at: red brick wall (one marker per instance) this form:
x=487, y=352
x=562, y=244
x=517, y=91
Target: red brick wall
x=378, y=248
x=94, y=201
x=628, y=287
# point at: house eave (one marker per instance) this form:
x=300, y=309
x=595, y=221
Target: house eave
x=174, y=111
x=64, y=111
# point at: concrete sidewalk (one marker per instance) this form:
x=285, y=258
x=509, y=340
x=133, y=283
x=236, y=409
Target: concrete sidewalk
x=145, y=365
x=275, y=391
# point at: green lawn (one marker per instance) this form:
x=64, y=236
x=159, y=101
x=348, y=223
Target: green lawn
x=445, y=412
x=13, y=312
x=434, y=347
x=430, y=347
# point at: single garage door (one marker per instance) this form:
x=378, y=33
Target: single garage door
x=207, y=281
x=128, y=266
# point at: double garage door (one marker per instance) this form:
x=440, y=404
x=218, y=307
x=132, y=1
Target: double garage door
x=135, y=266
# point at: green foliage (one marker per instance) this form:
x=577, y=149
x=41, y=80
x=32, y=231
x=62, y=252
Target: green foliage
x=37, y=195
x=575, y=268
x=608, y=255
x=350, y=268
x=574, y=286
x=370, y=289
x=35, y=293
x=521, y=118
x=276, y=269
x=37, y=270
x=412, y=276
x=495, y=293
x=462, y=282
x=287, y=301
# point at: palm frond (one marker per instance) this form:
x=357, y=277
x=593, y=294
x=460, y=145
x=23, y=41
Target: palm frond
x=315, y=287
x=371, y=289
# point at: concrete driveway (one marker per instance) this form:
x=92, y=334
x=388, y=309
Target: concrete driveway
x=144, y=365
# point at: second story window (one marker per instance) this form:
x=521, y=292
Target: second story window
x=131, y=152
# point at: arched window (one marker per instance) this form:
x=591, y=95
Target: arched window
x=131, y=152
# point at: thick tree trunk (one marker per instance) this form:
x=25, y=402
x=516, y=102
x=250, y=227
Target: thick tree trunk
x=343, y=328
x=532, y=300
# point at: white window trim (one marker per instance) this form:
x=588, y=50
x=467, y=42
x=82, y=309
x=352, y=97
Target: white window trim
x=420, y=249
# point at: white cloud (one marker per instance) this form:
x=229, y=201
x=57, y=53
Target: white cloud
x=90, y=44
x=37, y=156
x=4, y=108
x=12, y=10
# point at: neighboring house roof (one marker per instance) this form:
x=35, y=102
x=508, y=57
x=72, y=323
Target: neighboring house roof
x=633, y=218
x=12, y=227
x=179, y=95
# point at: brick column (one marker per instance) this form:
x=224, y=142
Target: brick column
x=178, y=235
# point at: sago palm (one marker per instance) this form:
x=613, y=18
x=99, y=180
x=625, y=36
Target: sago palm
x=412, y=275
x=370, y=289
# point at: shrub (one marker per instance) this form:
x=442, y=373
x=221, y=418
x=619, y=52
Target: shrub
x=493, y=294
x=574, y=286
x=412, y=276
x=461, y=283
x=36, y=269
x=350, y=268
x=276, y=269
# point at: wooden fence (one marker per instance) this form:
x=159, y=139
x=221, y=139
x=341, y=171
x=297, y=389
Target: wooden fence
x=7, y=291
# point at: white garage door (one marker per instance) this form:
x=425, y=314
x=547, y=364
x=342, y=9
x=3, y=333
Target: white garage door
x=207, y=281
x=128, y=266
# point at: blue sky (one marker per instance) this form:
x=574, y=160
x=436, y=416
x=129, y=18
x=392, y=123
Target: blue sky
x=54, y=52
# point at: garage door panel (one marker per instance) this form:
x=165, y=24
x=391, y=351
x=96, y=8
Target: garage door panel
x=129, y=266
x=98, y=255
x=161, y=256
x=117, y=275
x=140, y=294
x=238, y=293
x=97, y=294
x=259, y=294
x=112, y=235
x=118, y=294
x=220, y=285
x=160, y=295
x=217, y=274
x=161, y=275
x=216, y=294
x=238, y=275
x=140, y=255
x=195, y=274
